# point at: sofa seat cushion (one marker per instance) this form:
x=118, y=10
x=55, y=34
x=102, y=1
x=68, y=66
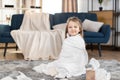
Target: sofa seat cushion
x=4, y=28
x=5, y=34
x=6, y=37
x=89, y=34
x=7, y=40
x=95, y=40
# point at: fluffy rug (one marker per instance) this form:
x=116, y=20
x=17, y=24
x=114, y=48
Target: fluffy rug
x=11, y=68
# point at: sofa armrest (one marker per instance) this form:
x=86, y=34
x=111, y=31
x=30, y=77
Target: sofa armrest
x=4, y=28
x=105, y=29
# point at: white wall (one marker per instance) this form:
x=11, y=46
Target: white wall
x=8, y=2
x=105, y=5
x=28, y=4
x=82, y=5
x=6, y=12
x=52, y=6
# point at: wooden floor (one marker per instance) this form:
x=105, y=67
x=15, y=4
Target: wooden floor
x=107, y=54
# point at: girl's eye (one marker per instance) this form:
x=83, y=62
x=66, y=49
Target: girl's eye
x=75, y=26
x=69, y=26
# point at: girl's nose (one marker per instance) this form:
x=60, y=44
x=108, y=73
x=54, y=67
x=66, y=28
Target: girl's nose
x=73, y=28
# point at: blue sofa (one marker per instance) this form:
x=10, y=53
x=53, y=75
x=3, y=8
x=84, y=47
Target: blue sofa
x=90, y=37
x=5, y=36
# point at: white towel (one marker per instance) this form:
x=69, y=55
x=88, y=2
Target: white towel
x=71, y=61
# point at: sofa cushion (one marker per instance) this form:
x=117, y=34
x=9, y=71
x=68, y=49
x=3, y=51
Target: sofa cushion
x=5, y=37
x=5, y=34
x=89, y=34
x=61, y=26
x=93, y=26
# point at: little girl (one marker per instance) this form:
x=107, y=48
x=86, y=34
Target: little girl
x=73, y=56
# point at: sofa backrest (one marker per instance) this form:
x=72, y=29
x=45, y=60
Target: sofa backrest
x=51, y=20
x=16, y=21
x=56, y=18
x=62, y=17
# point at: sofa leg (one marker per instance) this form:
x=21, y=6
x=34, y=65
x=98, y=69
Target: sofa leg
x=99, y=49
x=6, y=44
x=16, y=47
x=91, y=46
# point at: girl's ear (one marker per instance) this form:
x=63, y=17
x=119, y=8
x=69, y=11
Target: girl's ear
x=79, y=30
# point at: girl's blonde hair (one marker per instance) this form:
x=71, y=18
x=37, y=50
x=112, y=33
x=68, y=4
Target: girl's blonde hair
x=76, y=20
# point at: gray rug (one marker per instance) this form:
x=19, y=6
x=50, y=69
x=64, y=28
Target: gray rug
x=11, y=68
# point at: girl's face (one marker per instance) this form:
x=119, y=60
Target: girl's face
x=73, y=28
